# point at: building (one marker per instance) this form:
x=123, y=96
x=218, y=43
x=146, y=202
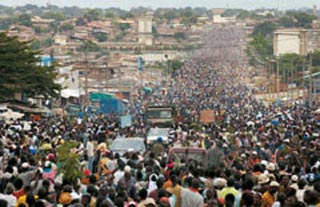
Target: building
x=298, y=41
x=41, y=22
x=218, y=19
x=145, y=29
x=23, y=33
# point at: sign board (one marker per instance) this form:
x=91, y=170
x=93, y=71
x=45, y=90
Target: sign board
x=126, y=121
x=140, y=63
x=207, y=116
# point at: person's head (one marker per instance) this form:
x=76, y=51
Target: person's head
x=143, y=193
x=247, y=199
x=274, y=187
x=301, y=184
x=195, y=184
x=229, y=200
x=85, y=199
x=248, y=184
x=281, y=198
x=3, y=202
x=42, y=193
x=230, y=182
x=9, y=189
x=39, y=203
x=311, y=197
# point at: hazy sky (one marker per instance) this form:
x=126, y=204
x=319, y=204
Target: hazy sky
x=127, y=4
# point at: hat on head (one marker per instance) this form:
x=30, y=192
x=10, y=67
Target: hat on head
x=130, y=204
x=286, y=141
x=263, y=179
x=65, y=198
x=150, y=201
x=294, y=178
x=274, y=184
x=264, y=162
x=50, y=156
x=25, y=165
x=127, y=168
x=271, y=167
x=86, y=172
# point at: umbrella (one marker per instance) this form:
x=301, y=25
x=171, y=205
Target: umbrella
x=275, y=122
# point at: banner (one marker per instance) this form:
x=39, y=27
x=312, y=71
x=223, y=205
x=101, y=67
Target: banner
x=126, y=121
x=207, y=116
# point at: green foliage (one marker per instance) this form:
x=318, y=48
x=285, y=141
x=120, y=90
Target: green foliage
x=81, y=21
x=287, y=21
x=20, y=71
x=35, y=45
x=170, y=15
x=180, y=35
x=69, y=161
x=120, y=36
x=58, y=16
x=127, y=15
x=265, y=29
x=25, y=19
x=66, y=27
x=189, y=20
x=89, y=46
x=109, y=14
x=303, y=19
x=176, y=65
x=123, y=26
x=100, y=36
x=243, y=14
x=316, y=58
x=47, y=42
x=262, y=45
x=92, y=15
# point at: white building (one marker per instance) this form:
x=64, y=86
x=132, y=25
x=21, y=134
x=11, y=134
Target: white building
x=218, y=19
x=298, y=41
x=145, y=29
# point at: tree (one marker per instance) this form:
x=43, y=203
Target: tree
x=180, y=35
x=176, y=65
x=123, y=26
x=25, y=19
x=265, y=29
x=100, y=36
x=286, y=21
x=66, y=27
x=243, y=14
x=21, y=73
x=89, y=46
x=92, y=15
x=58, y=16
x=262, y=46
x=81, y=21
x=304, y=19
x=69, y=161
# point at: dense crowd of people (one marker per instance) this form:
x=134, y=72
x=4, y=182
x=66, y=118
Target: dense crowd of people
x=258, y=155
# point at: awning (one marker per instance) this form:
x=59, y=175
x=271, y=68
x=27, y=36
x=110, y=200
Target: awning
x=101, y=96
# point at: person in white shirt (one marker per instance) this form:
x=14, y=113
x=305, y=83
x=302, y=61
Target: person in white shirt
x=7, y=195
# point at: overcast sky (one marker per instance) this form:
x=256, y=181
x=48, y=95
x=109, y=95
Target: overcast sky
x=127, y=4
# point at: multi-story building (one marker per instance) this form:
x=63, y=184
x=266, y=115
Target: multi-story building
x=297, y=40
x=145, y=29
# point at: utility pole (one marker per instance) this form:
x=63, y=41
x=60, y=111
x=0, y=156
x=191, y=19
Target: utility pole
x=303, y=81
x=310, y=79
x=278, y=78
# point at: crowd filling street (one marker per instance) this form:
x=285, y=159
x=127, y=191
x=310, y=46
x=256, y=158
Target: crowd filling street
x=256, y=154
